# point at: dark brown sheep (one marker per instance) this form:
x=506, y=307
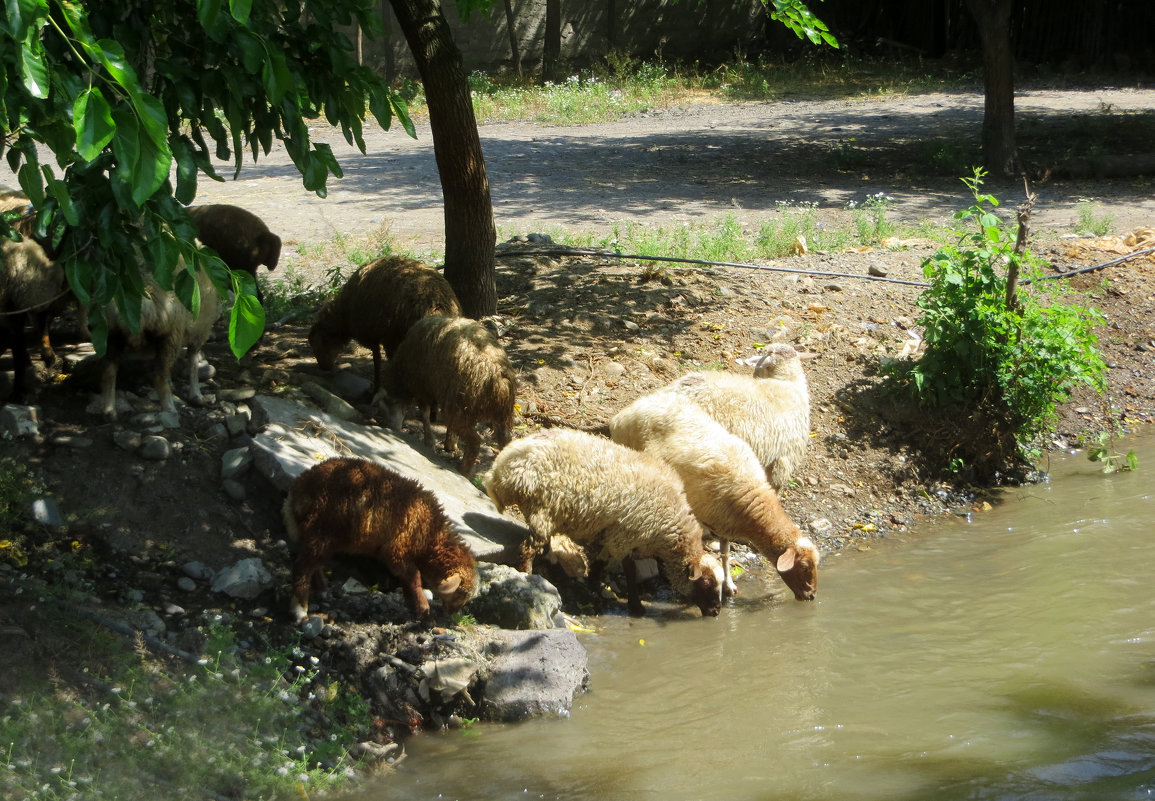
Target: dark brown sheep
x=239, y=237
x=354, y=506
x=377, y=306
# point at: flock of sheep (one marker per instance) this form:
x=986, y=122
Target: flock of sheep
x=704, y=456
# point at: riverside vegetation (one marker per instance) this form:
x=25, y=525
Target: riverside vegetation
x=254, y=714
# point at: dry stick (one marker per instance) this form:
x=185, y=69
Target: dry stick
x=1024, y=217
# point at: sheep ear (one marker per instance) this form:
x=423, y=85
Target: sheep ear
x=695, y=571
x=786, y=560
x=449, y=586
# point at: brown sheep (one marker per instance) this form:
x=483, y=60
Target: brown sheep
x=32, y=286
x=239, y=237
x=455, y=365
x=377, y=306
x=354, y=506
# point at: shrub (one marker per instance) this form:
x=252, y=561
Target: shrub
x=1009, y=363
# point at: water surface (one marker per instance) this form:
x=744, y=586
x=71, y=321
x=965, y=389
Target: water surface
x=1008, y=657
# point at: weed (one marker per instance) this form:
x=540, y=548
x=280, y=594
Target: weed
x=1091, y=224
x=1112, y=460
x=1013, y=363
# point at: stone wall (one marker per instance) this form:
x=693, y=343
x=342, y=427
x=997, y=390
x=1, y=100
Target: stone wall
x=712, y=30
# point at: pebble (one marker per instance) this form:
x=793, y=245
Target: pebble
x=46, y=512
x=155, y=447
x=185, y=584
x=197, y=570
x=312, y=627
x=127, y=440
x=234, y=489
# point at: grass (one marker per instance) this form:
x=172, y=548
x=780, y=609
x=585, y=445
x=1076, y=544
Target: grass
x=728, y=240
x=1090, y=223
x=621, y=85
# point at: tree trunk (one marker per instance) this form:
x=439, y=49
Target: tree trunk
x=514, y=50
x=469, y=227
x=993, y=18
x=551, y=48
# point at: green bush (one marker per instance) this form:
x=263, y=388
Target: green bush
x=1013, y=364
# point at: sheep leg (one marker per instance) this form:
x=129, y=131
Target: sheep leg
x=729, y=589
x=470, y=449
x=541, y=530
x=376, y=368
x=427, y=427
x=633, y=598
x=166, y=355
x=306, y=570
x=21, y=361
x=414, y=592
x=47, y=354
x=108, y=382
x=194, y=377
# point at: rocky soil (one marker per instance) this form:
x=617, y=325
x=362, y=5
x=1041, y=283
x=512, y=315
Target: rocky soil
x=587, y=334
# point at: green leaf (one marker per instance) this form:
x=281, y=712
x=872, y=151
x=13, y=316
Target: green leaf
x=186, y=171
x=111, y=55
x=59, y=190
x=240, y=10
x=247, y=320
x=207, y=12
x=92, y=119
x=29, y=178
x=33, y=69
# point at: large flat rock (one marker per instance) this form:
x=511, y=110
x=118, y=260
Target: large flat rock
x=295, y=437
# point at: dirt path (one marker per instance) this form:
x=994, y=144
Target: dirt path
x=686, y=165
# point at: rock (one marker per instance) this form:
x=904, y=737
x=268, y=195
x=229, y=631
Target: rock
x=234, y=489
x=236, y=424
x=127, y=440
x=312, y=627
x=197, y=570
x=447, y=677
x=351, y=386
x=533, y=673
x=96, y=405
x=235, y=462
x=20, y=421
x=46, y=512
x=511, y=599
x=155, y=447
x=876, y=271
x=246, y=579
x=330, y=403
x=820, y=525
x=168, y=420
x=185, y=584
x=69, y=441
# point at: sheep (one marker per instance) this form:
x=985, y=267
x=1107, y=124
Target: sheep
x=770, y=410
x=239, y=237
x=358, y=507
x=725, y=485
x=616, y=502
x=165, y=327
x=31, y=283
x=456, y=365
x=377, y=306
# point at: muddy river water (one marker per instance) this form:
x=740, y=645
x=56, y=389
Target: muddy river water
x=1011, y=656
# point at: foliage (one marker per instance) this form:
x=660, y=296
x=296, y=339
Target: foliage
x=1012, y=363
x=1090, y=223
x=797, y=17
x=123, y=93
x=1112, y=460
x=228, y=727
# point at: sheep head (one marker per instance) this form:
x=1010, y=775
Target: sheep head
x=326, y=344
x=267, y=250
x=452, y=567
x=798, y=567
x=706, y=583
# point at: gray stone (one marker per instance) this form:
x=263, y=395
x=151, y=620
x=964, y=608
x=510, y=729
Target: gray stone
x=155, y=447
x=534, y=673
x=330, y=403
x=236, y=424
x=350, y=386
x=234, y=489
x=20, y=421
x=168, y=419
x=235, y=462
x=197, y=570
x=312, y=627
x=296, y=437
x=511, y=599
x=246, y=579
x=236, y=395
x=127, y=439
x=46, y=512
x=185, y=584
x=69, y=441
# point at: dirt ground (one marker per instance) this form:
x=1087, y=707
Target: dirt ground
x=589, y=334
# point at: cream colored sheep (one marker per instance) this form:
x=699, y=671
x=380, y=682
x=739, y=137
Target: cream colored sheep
x=615, y=502
x=724, y=482
x=769, y=411
x=165, y=327
x=457, y=366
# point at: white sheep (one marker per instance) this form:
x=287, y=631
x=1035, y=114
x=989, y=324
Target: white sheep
x=165, y=327
x=769, y=411
x=617, y=503
x=457, y=366
x=725, y=484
